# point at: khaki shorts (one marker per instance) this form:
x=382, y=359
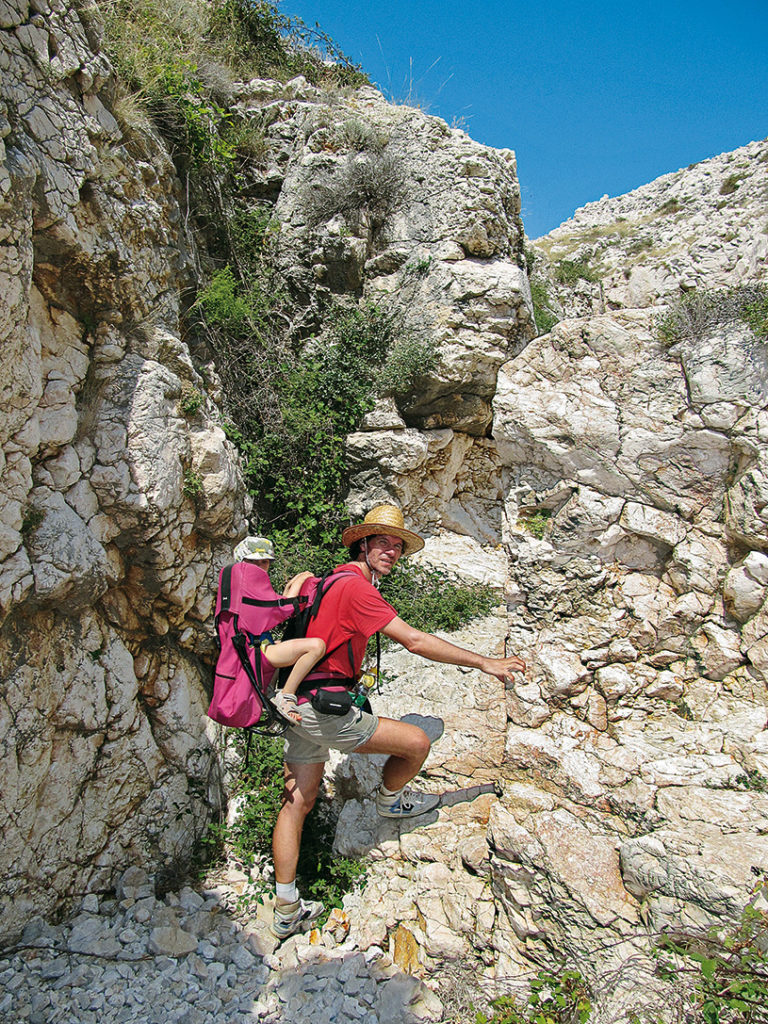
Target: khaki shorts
x=311, y=742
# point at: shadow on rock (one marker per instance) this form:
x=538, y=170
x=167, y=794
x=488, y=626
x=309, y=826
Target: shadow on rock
x=433, y=726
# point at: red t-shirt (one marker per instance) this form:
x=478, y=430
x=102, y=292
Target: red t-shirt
x=353, y=609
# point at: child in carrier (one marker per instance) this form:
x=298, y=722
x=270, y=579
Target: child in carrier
x=303, y=653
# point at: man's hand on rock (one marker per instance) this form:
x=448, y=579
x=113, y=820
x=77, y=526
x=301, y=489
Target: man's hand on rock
x=503, y=668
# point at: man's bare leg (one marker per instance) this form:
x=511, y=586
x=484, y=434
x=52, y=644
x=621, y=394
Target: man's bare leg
x=302, y=783
x=407, y=745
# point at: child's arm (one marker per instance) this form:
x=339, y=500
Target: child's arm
x=293, y=586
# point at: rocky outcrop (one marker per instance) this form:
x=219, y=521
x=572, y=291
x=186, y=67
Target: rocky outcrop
x=704, y=226
x=385, y=204
x=634, y=764
x=121, y=496
x=615, y=488
x=116, y=507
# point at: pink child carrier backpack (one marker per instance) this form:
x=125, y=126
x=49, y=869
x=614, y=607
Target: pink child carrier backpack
x=247, y=607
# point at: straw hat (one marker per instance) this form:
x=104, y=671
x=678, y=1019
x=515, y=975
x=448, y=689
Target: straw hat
x=255, y=549
x=386, y=520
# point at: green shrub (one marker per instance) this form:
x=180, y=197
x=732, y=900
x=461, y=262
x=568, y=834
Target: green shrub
x=721, y=974
x=697, y=313
x=569, y=272
x=420, y=267
x=432, y=599
x=544, y=315
x=753, y=780
x=258, y=786
x=754, y=311
x=409, y=358
x=730, y=185
x=562, y=999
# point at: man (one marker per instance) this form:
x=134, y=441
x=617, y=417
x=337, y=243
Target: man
x=349, y=614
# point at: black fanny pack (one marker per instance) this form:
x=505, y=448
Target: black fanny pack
x=331, y=702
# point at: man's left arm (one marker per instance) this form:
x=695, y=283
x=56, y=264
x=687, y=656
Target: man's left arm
x=426, y=645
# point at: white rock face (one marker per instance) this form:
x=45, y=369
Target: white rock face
x=446, y=255
x=107, y=566
x=615, y=489
x=116, y=508
x=701, y=227
x=633, y=487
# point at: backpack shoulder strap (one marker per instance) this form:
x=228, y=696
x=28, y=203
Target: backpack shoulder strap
x=325, y=584
x=225, y=591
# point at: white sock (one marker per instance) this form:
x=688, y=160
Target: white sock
x=286, y=891
x=390, y=793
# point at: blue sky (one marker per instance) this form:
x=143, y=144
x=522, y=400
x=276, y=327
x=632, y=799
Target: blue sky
x=595, y=97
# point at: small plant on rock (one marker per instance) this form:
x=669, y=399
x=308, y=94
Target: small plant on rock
x=369, y=186
x=536, y=523
x=723, y=972
x=190, y=401
x=670, y=206
x=554, y=999
x=32, y=518
x=193, y=483
x=570, y=272
x=752, y=779
x=730, y=185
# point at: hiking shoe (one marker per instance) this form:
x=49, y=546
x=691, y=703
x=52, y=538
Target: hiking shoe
x=290, y=918
x=405, y=804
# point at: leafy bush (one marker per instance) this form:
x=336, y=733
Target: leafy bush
x=259, y=788
x=722, y=974
x=553, y=1000
x=256, y=38
x=291, y=410
x=544, y=316
x=569, y=272
x=432, y=599
x=697, y=313
x=409, y=358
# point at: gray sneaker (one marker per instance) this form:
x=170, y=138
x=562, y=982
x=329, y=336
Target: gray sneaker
x=290, y=918
x=407, y=804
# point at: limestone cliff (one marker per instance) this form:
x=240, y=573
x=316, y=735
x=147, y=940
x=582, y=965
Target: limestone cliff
x=704, y=226
x=635, y=523
x=615, y=487
x=121, y=495
x=106, y=555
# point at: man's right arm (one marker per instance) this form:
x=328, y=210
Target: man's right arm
x=432, y=647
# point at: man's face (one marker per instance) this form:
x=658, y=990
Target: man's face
x=383, y=553
x=263, y=563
